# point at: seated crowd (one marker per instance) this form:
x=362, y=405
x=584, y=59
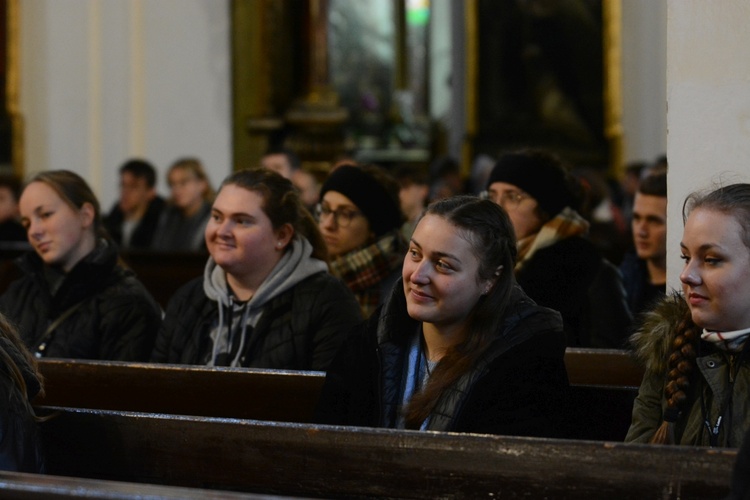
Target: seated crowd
x=453, y=317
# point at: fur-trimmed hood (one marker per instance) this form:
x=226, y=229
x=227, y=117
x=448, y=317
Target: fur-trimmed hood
x=653, y=340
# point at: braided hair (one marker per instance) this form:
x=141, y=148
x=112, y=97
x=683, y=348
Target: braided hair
x=681, y=366
x=733, y=200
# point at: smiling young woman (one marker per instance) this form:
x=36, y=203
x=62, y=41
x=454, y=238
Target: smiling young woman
x=694, y=344
x=457, y=346
x=266, y=299
x=75, y=300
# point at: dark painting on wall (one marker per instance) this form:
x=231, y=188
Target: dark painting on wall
x=540, y=78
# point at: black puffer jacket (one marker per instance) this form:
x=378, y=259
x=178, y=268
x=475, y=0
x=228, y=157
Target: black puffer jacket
x=300, y=329
x=518, y=387
x=117, y=319
x=572, y=277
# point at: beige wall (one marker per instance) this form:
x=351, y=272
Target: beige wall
x=644, y=79
x=105, y=80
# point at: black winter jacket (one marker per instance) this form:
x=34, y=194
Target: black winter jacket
x=300, y=329
x=117, y=319
x=572, y=277
x=518, y=387
x=641, y=294
x=144, y=231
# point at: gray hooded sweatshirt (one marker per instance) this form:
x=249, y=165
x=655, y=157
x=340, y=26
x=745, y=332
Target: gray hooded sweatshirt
x=230, y=330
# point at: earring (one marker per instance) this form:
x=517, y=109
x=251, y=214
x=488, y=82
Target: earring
x=278, y=245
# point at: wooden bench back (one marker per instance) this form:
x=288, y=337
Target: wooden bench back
x=23, y=486
x=163, y=273
x=335, y=462
x=601, y=406
x=284, y=396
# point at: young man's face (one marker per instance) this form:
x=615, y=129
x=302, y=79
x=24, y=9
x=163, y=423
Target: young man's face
x=650, y=226
x=8, y=204
x=135, y=194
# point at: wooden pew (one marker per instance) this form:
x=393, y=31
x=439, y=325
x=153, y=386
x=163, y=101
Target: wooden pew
x=284, y=396
x=162, y=273
x=602, y=367
x=336, y=462
x=22, y=486
x=604, y=386
x=604, y=383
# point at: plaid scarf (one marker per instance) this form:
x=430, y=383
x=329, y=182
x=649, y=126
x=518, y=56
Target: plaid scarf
x=565, y=224
x=363, y=270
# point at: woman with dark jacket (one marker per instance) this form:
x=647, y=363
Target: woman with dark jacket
x=20, y=382
x=266, y=299
x=74, y=299
x=457, y=346
x=557, y=266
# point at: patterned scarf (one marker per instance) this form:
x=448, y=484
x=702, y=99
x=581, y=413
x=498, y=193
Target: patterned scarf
x=728, y=341
x=565, y=224
x=363, y=270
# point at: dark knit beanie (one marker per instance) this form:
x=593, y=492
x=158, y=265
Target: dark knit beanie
x=372, y=199
x=539, y=174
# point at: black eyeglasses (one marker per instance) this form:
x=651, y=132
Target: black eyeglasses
x=506, y=199
x=342, y=216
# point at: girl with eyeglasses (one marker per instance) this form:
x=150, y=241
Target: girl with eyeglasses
x=360, y=218
x=557, y=266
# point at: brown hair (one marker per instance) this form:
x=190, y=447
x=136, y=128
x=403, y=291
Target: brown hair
x=281, y=203
x=680, y=366
x=489, y=230
x=75, y=192
x=13, y=352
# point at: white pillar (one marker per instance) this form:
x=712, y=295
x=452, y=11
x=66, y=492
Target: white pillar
x=708, y=95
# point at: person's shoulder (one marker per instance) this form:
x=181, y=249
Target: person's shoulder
x=115, y=214
x=522, y=308
x=317, y=282
x=578, y=246
x=323, y=287
x=191, y=291
x=158, y=203
x=658, y=328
